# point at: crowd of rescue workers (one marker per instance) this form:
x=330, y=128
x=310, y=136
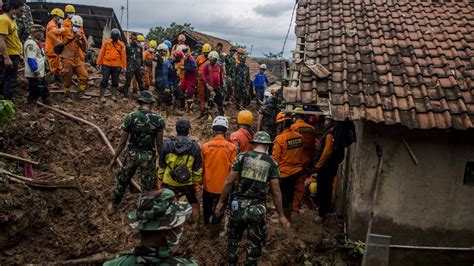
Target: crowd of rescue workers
x=288, y=156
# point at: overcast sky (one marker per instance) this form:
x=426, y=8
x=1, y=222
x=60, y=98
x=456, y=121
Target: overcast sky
x=261, y=23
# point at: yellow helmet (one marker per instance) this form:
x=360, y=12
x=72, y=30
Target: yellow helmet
x=298, y=109
x=282, y=117
x=140, y=38
x=69, y=9
x=206, y=48
x=245, y=117
x=313, y=187
x=153, y=44
x=57, y=12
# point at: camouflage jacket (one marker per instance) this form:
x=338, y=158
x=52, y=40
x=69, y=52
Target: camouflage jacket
x=229, y=62
x=143, y=255
x=242, y=76
x=143, y=126
x=24, y=24
x=134, y=57
x=255, y=172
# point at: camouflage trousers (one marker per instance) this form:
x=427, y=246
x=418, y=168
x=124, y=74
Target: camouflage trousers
x=251, y=216
x=242, y=95
x=134, y=160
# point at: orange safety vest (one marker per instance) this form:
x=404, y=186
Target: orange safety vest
x=217, y=157
x=201, y=61
x=288, y=152
x=308, y=133
x=112, y=54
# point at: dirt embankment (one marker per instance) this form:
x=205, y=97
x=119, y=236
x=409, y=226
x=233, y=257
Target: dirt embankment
x=47, y=225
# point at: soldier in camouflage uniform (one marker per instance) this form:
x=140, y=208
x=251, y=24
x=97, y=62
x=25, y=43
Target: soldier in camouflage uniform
x=243, y=82
x=160, y=219
x=24, y=24
x=144, y=130
x=134, y=64
x=267, y=117
x=251, y=172
x=229, y=61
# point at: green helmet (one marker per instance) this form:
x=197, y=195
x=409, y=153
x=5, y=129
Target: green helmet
x=261, y=137
x=159, y=210
x=146, y=97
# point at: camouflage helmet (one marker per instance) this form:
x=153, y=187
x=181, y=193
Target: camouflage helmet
x=159, y=210
x=261, y=137
x=146, y=97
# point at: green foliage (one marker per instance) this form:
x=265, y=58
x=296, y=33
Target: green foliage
x=357, y=247
x=272, y=55
x=238, y=45
x=166, y=33
x=7, y=109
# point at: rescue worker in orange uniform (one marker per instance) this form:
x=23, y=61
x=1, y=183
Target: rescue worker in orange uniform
x=72, y=56
x=326, y=169
x=112, y=60
x=54, y=33
x=201, y=61
x=217, y=157
x=181, y=41
x=242, y=137
x=308, y=133
x=288, y=153
x=148, y=58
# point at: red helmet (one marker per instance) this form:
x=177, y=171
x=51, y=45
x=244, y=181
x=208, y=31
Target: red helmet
x=178, y=54
x=241, y=50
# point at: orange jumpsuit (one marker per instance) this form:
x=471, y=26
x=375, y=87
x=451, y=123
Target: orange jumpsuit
x=288, y=152
x=53, y=38
x=241, y=138
x=217, y=157
x=201, y=61
x=308, y=133
x=148, y=56
x=72, y=58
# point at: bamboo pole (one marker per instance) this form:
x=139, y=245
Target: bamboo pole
x=98, y=129
x=13, y=157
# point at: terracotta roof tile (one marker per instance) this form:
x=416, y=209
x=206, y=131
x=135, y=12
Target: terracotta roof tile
x=404, y=62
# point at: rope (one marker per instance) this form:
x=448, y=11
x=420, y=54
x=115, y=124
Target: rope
x=287, y=33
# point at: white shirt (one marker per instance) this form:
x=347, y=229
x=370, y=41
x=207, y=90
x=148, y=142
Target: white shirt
x=32, y=50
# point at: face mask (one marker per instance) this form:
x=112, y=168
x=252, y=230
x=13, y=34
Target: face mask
x=178, y=237
x=75, y=29
x=59, y=21
x=69, y=16
x=152, y=50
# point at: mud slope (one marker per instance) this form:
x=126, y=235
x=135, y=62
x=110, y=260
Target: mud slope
x=48, y=225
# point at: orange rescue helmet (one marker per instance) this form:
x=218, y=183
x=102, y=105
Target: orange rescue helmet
x=245, y=117
x=282, y=117
x=241, y=50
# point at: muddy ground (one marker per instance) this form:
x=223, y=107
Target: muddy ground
x=54, y=225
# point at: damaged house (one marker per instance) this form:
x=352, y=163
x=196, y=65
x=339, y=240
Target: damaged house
x=403, y=71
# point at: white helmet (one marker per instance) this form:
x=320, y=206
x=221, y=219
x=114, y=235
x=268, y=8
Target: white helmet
x=221, y=121
x=77, y=21
x=213, y=55
x=263, y=66
x=163, y=46
x=181, y=47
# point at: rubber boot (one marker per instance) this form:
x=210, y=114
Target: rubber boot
x=196, y=214
x=102, y=93
x=114, y=92
x=82, y=95
x=287, y=212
